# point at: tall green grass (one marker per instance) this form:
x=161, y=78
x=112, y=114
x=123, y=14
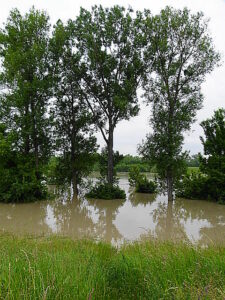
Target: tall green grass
x=58, y=268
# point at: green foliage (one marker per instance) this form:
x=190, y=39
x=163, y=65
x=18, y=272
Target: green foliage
x=126, y=163
x=193, y=186
x=23, y=105
x=59, y=170
x=141, y=182
x=59, y=90
x=192, y=170
x=146, y=186
x=59, y=268
x=210, y=183
x=73, y=122
x=213, y=162
x=50, y=170
x=106, y=191
x=134, y=176
x=18, y=181
x=25, y=73
x=108, y=39
x=129, y=162
x=179, y=54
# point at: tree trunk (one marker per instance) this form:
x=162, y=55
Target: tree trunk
x=110, y=155
x=35, y=140
x=73, y=150
x=27, y=126
x=170, y=188
x=75, y=187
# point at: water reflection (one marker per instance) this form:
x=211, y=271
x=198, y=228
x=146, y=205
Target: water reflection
x=106, y=214
x=141, y=216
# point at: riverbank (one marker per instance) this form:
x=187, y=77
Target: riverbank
x=59, y=268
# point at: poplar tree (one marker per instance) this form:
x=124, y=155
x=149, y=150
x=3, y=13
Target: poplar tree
x=179, y=54
x=73, y=123
x=109, y=41
x=24, y=102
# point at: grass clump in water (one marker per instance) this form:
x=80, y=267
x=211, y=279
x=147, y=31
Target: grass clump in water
x=59, y=268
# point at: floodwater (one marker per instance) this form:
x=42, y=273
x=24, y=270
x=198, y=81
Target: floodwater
x=139, y=217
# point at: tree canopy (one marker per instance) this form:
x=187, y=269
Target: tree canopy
x=182, y=53
x=25, y=75
x=108, y=39
x=72, y=119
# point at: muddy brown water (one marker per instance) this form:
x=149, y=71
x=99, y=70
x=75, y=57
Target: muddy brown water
x=139, y=217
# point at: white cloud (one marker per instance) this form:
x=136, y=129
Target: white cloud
x=129, y=134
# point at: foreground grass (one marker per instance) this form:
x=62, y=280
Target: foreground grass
x=58, y=268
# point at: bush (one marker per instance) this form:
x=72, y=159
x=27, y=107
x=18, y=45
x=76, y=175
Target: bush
x=199, y=186
x=212, y=163
x=145, y=186
x=106, y=191
x=193, y=186
x=19, y=181
x=140, y=181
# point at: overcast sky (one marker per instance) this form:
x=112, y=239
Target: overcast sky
x=129, y=134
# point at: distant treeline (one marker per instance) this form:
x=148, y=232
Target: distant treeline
x=129, y=161
x=126, y=163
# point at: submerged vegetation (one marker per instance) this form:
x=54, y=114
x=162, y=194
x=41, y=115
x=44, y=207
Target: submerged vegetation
x=106, y=191
x=209, y=181
x=18, y=177
x=140, y=181
x=59, y=268
x=193, y=186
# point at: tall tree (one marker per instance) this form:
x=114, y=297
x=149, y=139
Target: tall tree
x=24, y=54
x=73, y=123
x=213, y=162
x=183, y=54
x=110, y=45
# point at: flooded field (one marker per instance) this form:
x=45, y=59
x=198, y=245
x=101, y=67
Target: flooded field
x=140, y=216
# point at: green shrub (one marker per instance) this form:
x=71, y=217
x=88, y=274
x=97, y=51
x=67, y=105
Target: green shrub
x=134, y=176
x=19, y=183
x=196, y=185
x=212, y=163
x=193, y=186
x=106, y=191
x=141, y=182
x=19, y=179
x=146, y=186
